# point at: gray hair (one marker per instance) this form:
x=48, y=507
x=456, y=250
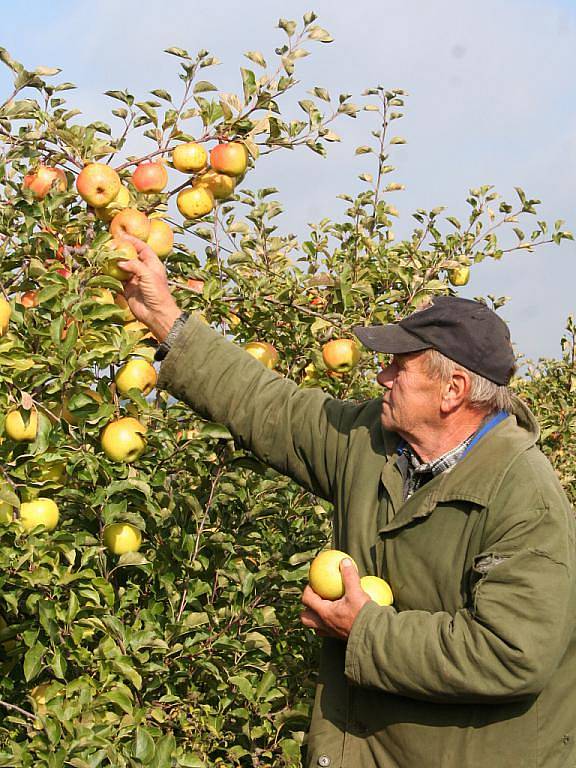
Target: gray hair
x=484, y=394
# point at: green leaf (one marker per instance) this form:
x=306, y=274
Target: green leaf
x=179, y=52
x=144, y=749
x=165, y=748
x=203, y=86
x=320, y=35
x=33, y=660
x=248, y=83
x=256, y=57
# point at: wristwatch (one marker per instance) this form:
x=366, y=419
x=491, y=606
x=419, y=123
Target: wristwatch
x=165, y=346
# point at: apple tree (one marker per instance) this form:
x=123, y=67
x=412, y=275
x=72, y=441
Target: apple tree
x=150, y=571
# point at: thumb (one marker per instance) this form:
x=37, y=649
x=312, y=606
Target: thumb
x=350, y=575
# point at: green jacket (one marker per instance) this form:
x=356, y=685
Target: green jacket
x=475, y=665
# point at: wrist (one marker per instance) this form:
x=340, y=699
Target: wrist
x=162, y=325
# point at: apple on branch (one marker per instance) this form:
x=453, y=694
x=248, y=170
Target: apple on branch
x=160, y=238
x=150, y=178
x=45, y=179
x=266, y=353
x=19, y=429
x=121, y=538
x=121, y=201
x=123, y=439
x=98, y=184
x=40, y=511
x=195, y=202
x=230, y=158
x=189, y=157
x=5, y=313
x=340, y=355
x=138, y=374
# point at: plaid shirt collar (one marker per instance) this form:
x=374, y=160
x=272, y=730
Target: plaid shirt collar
x=416, y=472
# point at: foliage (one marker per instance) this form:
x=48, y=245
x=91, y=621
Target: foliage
x=188, y=652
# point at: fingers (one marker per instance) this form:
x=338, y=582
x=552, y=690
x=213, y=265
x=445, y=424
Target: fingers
x=311, y=620
x=350, y=576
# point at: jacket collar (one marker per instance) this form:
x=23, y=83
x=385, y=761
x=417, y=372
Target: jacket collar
x=475, y=478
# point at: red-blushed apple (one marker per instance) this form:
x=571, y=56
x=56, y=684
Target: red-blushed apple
x=130, y=221
x=221, y=185
x=98, y=184
x=195, y=202
x=18, y=429
x=264, y=352
x=160, y=237
x=189, y=157
x=123, y=439
x=114, y=251
x=325, y=576
x=230, y=158
x=195, y=284
x=45, y=179
x=150, y=178
x=5, y=313
x=138, y=374
x=340, y=355
x=29, y=299
x=121, y=201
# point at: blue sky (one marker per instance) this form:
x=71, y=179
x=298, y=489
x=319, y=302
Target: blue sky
x=491, y=101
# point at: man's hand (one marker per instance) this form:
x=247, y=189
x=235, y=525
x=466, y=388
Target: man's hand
x=147, y=290
x=334, y=618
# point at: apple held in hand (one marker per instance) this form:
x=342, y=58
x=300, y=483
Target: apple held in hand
x=118, y=250
x=136, y=374
x=264, y=352
x=378, y=589
x=130, y=221
x=221, y=185
x=123, y=440
x=160, y=238
x=230, y=158
x=98, y=184
x=121, y=201
x=325, y=577
x=120, y=538
x=189, y=157
x=195, y=202
x=40, y=511
x=44, y=180
x=150, y=178
x=18, y=429
x=340, y=355
x=459, y=276
x=5, y=312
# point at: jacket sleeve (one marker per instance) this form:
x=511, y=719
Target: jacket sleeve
x=299, y=432
x=507, y=643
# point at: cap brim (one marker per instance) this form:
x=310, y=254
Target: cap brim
x=392, y=339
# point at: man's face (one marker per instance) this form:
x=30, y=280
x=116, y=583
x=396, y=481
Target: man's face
x=411, y=401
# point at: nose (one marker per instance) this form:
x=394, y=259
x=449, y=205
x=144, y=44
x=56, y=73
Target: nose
x=386, y=376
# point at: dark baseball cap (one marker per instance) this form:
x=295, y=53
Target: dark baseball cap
x=468, y=332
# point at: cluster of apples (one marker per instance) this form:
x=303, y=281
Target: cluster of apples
x=340, y=356
x=325, y=578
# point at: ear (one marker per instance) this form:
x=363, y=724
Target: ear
x=455, y=392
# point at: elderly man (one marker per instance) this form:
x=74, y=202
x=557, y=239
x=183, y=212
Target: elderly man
x=439, y=488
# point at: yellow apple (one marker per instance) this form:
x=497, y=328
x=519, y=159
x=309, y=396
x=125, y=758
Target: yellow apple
x=340, y=355
x=120, y=538
x=118, y=250
x=18, y=430
x=44, y=179
x=264, y=352
x=138, y=374
x=121, y=201
x=5, y=312
x=221, y=185
x=189, y=157
x=40, y=511
x=51, y=472
x=130, y=221
x=230, y=158
x=150, y=178
x=160, y=237
x=121, y=301
x=98, y=184
x=195, y=202
x=378, y=589
x=459, y=275
x=123, y=440
x=325, y=577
